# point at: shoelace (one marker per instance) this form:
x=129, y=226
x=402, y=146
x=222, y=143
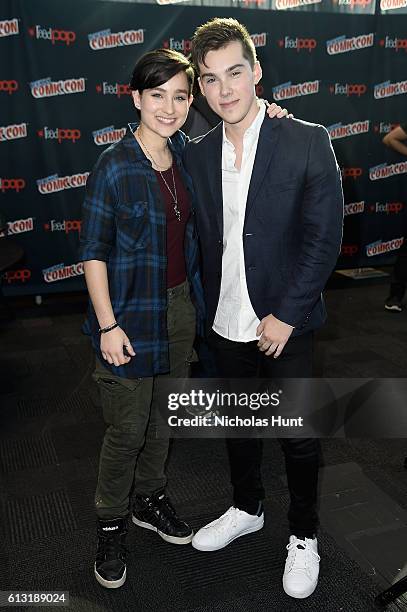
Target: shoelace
x=229, y=518
x=292, y=548
x=113, y=546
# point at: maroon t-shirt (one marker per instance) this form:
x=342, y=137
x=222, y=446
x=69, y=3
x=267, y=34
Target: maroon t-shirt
x=176, y=273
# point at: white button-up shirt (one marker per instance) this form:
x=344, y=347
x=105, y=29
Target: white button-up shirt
x=235, y=318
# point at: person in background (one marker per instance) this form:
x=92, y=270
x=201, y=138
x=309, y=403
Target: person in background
x=394, y=302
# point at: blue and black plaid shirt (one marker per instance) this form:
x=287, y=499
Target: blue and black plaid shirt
x=124, y=224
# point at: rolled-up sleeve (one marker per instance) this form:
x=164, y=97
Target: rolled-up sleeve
x=98, y=214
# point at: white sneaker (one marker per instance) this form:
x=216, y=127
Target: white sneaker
x=231, y=525
x=301, y=567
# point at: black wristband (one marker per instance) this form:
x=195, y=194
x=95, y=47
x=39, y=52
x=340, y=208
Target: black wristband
x=109, y=328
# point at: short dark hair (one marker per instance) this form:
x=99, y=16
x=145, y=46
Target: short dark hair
x=159, y=66
x=217, y=33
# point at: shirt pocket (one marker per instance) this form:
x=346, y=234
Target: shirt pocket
x=133, y=226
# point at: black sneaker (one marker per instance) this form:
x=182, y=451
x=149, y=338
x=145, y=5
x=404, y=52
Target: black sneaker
x=393, y=303
x=110, y=564
x=158, y=514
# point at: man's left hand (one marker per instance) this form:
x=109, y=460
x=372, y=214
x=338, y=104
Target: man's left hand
x=273, y=110
x=274, y=335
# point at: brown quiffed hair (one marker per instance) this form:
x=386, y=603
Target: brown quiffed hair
x=217, y=33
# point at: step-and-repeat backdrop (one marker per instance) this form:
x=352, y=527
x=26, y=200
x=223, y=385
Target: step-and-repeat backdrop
x=64, y=97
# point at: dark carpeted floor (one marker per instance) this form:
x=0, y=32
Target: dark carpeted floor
x=51, y=431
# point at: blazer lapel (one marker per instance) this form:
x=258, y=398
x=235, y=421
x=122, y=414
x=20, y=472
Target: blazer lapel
x=266, y=149
x=214, y=167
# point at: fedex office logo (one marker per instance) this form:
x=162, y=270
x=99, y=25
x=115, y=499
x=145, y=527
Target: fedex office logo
x=341, y=44
x=388, y=208
x=66, y=226
x=13, y=131
x=9, y=86
x=11, y=184
x=385, y=128
x=65, y=36
x=298, y=44
x=59, y=134
x=396, y=44
x=283, y=5
x=113, y=89
x=183, y=45
x=349, y=250
x=106, y=39
x=348, y=89
x=108, y=135
x=8, y=27
x=351, y=172
x=22, y=275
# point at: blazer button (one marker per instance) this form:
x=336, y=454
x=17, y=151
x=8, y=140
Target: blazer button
x=251, y=268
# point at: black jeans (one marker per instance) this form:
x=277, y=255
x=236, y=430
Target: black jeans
x=399, y=274
x=245, y=360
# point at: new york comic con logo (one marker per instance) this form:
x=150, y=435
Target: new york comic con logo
x=388, y=89
x=283, y=5
x=284, y=91
x=341, y=44
x=392, y=5
x=52, y=34
x=9, y=27
x=106, y=39
x=354, y=208
x=380, y=247
x=20, y=226
x=108, y=135
x=61, y=272
x=339, y=130
x=59, y=134
x=383, y=171
x=46, y=88
x=13, y=131
x=9, y=87
x=55, y=183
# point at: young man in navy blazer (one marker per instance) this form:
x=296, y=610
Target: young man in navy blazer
x=269, y=214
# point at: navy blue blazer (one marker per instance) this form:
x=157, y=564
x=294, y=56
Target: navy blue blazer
x=293, y=224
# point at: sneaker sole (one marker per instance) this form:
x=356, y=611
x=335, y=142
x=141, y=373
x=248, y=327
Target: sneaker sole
x=242, y=533
x=110, y=584
x=167, y=538
x=301, y=595
x=393, y=308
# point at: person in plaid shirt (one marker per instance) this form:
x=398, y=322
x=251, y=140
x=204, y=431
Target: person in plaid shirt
x=140, y=254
